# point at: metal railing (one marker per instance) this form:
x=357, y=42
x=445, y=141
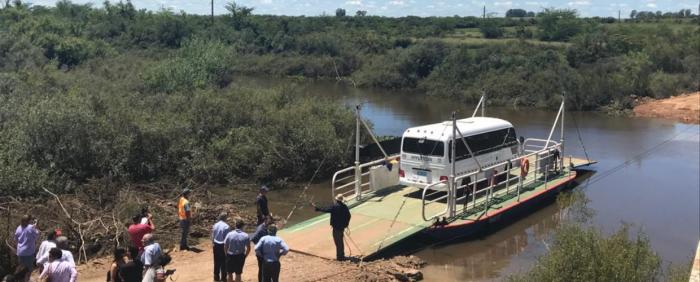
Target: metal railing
x=480, y=198
x=344, y=181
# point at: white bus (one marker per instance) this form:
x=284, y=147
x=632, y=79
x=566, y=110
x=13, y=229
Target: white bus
x=426, y=155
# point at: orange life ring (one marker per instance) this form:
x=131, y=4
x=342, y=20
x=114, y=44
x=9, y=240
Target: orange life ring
x=524, y=167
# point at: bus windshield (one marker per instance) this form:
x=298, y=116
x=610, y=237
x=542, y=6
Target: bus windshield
x=422, y=146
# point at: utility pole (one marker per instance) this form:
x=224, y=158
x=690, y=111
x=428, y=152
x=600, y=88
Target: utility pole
x=484, y=12
x=618, y=15
x=212, y=12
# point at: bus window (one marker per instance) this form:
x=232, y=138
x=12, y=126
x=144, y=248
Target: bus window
x=484, y=143
x=422, y=146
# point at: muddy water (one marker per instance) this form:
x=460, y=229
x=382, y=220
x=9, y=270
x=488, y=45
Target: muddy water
x=647, y=175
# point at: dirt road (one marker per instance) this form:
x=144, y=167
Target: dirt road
x=683, y=108
x=193, y=266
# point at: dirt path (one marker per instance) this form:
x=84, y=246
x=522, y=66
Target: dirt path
x=683, y=108
x=191, y=266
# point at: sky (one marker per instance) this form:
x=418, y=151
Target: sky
x=397, y=8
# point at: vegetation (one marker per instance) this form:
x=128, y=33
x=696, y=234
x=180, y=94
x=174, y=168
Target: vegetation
x=136, y=95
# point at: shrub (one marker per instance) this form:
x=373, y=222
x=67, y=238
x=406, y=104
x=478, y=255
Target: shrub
x=491, y=29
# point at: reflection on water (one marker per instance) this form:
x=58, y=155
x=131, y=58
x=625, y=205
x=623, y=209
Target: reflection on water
x=644, y=178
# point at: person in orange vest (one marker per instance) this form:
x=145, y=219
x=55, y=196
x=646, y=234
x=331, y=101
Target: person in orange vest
x=184, y=212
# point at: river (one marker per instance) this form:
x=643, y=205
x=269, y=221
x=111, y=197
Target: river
x=647, y=175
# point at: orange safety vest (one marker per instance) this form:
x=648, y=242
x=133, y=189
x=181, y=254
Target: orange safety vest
x=181, y=213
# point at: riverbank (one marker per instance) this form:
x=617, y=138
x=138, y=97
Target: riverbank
x=684, y=108
x=198, y=266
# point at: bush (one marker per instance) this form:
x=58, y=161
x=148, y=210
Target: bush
x=196, y=65
x=491, y=29
x=585, y=254
x=558, y=25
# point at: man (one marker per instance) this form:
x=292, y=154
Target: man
x=62, y=244
x=150, y=258
x=271, y=248
x=260, y=231
x=218, y=239
x=25, y=236
x=184, y=212
x=137, y=230
x=340, y=219
x=261, y=203
x=58, y=269
x=237, y=245
x=46, y=246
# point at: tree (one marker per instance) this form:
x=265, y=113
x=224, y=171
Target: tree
x=558, y=25
x=530, y=14
x=516, y=13
x=239, y=13
x=360, y=13
x=633, y=14
x=490, y=29
x=340, y=12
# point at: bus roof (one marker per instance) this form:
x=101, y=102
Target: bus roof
x=469, y=126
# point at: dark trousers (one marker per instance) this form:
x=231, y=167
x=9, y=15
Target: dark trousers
x=338, y=240
x=260, y=266
x=271, y=271
x=219, y=262
x=185, y=228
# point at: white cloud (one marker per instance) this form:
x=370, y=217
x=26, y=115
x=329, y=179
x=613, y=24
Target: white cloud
x=506, y=3
x=397, y=3
x=265, y=2
x=354, y=2
x=580, y=3
x=651, y=5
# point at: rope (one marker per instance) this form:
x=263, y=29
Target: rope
x=580, y=140
x=388, y=231
x=303, y=192
x=627, y=162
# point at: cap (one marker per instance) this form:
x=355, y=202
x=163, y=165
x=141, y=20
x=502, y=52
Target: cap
x=186, y=191
x=339, y=198
x=264, y=188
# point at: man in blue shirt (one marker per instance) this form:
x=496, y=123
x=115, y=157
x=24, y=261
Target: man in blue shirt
x=237, y=245
x=260, y=231
x=218, y=237
x=25, y=236
x=150, y=257
x=271, y=248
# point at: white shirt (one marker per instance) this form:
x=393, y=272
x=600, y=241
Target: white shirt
x=44, y=249
x=66, y=256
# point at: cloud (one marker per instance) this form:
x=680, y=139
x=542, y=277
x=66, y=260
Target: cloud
x=354, y=2
x=265, y=2
x=651, y=5
x=506, y=3
x=397, y=2
x=580, y=3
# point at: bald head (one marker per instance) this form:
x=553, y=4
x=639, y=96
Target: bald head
x=147, y=239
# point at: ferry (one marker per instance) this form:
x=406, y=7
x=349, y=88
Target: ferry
x=450, y=180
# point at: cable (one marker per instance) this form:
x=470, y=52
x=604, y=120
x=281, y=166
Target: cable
x=580, y=140
x=627, y=162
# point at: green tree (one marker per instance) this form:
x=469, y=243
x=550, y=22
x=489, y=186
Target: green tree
x=491, y=29
x=558, y=25
x=339, y=12
x=516, y=13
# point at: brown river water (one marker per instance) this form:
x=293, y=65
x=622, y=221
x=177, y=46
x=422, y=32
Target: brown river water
x=648, y=175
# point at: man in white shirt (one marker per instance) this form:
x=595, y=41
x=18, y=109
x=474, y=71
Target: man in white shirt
x=150, y=258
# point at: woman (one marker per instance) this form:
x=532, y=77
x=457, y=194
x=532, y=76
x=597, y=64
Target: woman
x=117, y=263
x=132, y=269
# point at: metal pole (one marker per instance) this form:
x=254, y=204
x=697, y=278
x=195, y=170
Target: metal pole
x=554, y=126
x=451, y=193
x=358, y=173
x=483, y=103
x=561, y=137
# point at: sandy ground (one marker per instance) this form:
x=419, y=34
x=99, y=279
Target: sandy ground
x=192, y=266
x=683, y=108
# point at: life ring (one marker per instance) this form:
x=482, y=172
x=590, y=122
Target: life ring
x=524, y=167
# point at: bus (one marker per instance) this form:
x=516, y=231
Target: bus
x=426, y=150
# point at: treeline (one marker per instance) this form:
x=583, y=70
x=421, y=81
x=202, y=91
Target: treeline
x=651, y=15
x=137, y=95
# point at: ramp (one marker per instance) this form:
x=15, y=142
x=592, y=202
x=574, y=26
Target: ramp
x=376, y=223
